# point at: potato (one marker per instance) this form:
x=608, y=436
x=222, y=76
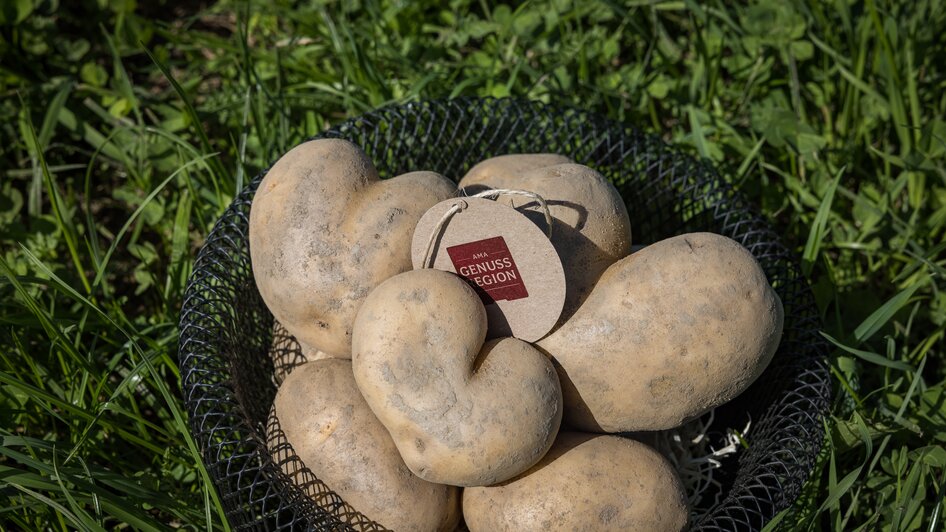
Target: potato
x=590, y=229
x=460, y=412
x=336, y=436
x=324, y=231
x=505, y=168
x=585, y=482
x=668, y=333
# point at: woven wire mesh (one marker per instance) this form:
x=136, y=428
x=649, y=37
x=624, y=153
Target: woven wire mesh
x=227, y=332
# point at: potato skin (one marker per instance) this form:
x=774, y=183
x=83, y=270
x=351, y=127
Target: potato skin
x=670, y=332
x=336, y=436
x=590, y=230
x=460, y=412
x=505, y=168
x=325, y=230
x=585, y=482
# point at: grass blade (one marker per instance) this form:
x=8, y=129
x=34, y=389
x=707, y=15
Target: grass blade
x=214, y=162
x=48, y=127
x=67, y=227
x=156, y=379
x=868, y=356
x=118, y=237
x=816, y=235
x=60, y=509
x=882, y=315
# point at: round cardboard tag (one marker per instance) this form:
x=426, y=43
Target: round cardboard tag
x=506, y=258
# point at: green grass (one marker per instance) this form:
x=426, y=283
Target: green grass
x=126, y=128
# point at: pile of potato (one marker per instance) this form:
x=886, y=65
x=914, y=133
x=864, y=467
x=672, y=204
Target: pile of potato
x=402, y=400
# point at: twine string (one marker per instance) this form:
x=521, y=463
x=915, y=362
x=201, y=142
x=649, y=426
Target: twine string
x=496, y=192
x=488, y=194
x=429, y=254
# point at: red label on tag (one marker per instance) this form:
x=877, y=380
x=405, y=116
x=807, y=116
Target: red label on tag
x=489, y=267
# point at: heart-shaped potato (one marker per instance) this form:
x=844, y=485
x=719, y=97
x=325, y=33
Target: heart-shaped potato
x=332, y=430
x=325, y=230
x=590, y=228
x=668, y=333
x=585, y=482
x=461, y=412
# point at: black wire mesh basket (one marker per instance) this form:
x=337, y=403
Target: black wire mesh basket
x=227, y=333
